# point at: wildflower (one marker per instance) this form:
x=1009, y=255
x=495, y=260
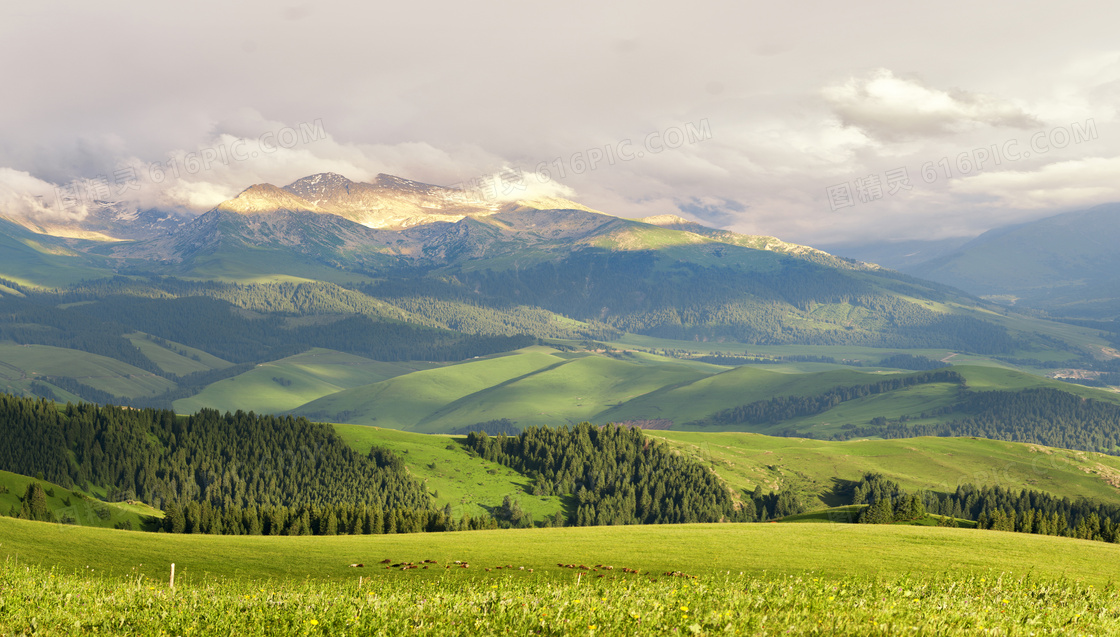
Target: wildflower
x=684, y=608
x=314, y=622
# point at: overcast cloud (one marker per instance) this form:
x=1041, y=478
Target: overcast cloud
x=800, y=98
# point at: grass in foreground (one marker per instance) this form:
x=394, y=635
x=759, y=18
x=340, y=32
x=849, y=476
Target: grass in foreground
x=698, y=549
x=42, y=601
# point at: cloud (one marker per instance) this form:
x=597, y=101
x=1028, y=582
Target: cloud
x=890, y=108
x=24, y=197
x=1078, y=182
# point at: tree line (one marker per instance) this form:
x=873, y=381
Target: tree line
x=229, y=460
x=991, y=507
x=1043, y=416
x=782, y=408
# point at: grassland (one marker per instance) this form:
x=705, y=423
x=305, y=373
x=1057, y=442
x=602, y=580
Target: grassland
x=468, y=483
x=756, y=579
x=814, y=468
x=402, y=402
x=175, y=358
x=21, y=364
x=47, y=602
x=290, y=382
x=544, y=386
x=811, y=468
x=706, y=550
x=28, y=260
x=74, y=505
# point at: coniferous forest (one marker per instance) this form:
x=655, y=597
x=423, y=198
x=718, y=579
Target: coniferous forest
x=991, y=507
x=617, y=475
x=243, y=473
x=1041, y=416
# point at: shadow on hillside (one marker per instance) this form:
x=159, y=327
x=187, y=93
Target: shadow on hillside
x=840, y=493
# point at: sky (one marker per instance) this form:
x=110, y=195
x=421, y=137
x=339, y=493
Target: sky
x=821, y=123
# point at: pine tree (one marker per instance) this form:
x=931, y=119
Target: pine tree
x=35, y=504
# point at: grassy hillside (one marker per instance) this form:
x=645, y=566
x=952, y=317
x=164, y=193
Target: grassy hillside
x=544, y=386
x=73, y=505
x=468, y=483
x=697, y=549
x=812, y=468
x=573, y=391
x=290, y=382
x=912, y=401
x=536, y=386
x=21, y=364
x=404, y=401
x=737, y=386
x=39, y=261
x=175, y=358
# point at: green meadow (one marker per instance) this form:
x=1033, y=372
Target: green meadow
x=21, y=364
x=814, y=468
x=705, y=550
x=467, y=483
x=80, y=508
x=290, y=382
x=175, y=358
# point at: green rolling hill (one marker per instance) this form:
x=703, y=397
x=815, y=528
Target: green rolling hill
x=293, y=381
x=812, y=468
x=73, y=507
x=20, y=365
x=542, y=386
x=468, y=484
x=33, y=259
x=405, y=401
x=788, y=549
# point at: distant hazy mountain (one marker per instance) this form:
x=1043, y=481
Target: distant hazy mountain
x=896, y=255
x=1068, y=264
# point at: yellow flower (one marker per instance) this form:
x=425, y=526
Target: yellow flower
x=684, y=608
x=314, y=622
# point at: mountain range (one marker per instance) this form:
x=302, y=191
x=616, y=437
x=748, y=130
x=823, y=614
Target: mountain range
x=161, y=309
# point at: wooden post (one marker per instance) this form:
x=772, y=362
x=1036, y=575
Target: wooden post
x=359, y=582
x=173, y=575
